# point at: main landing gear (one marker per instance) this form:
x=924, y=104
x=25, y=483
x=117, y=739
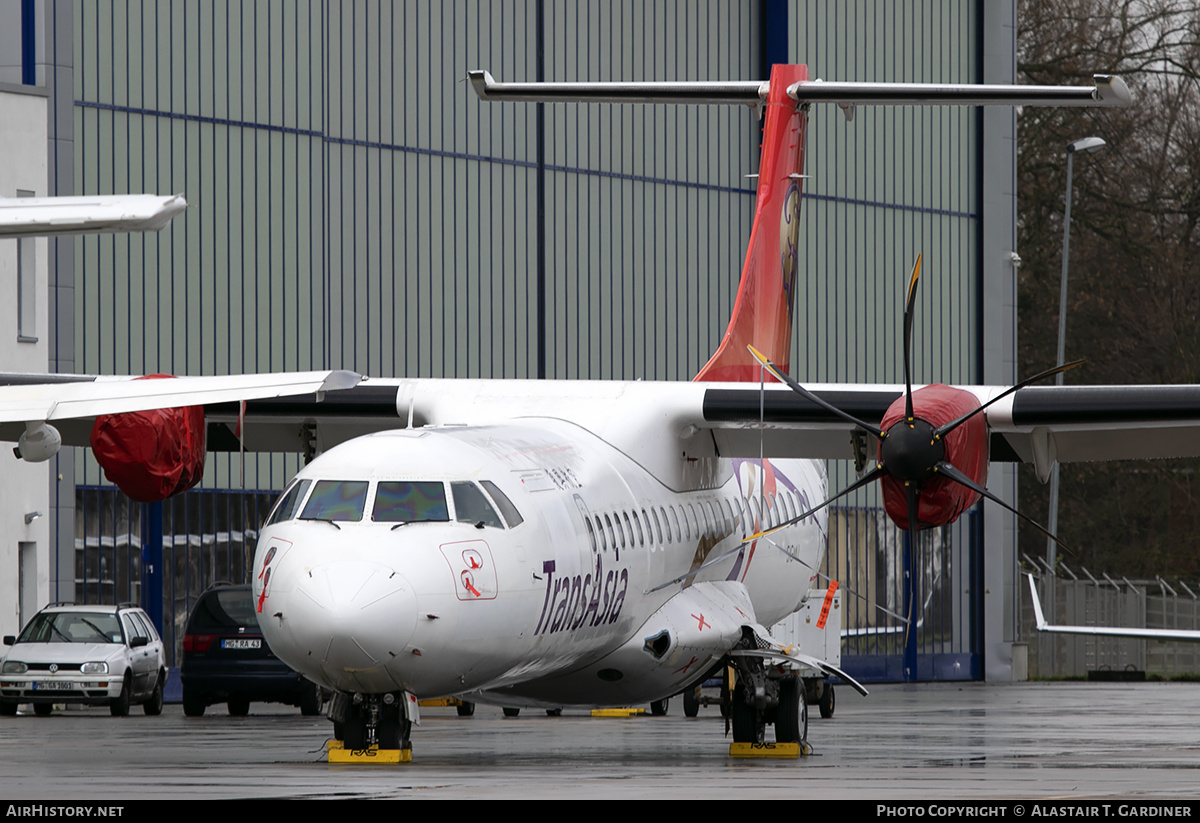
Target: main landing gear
x=766, y=697
x=361, y=721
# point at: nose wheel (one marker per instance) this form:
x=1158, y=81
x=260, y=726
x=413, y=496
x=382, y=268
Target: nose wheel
x=363, y=721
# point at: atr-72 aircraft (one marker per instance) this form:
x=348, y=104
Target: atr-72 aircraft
x=578, y=543
x=562, y=543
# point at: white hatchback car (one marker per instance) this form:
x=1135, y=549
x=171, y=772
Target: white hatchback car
x=96, y=655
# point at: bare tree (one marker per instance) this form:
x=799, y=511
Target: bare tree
x=1134, y=295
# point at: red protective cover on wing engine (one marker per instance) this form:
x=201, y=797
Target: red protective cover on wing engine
x=941, y=500
x=154, y=454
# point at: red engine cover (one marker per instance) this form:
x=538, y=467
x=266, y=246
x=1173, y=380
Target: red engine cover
x=942, y=500
x=154, y=454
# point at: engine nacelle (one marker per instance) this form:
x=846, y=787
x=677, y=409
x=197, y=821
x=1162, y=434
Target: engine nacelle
x=942, y=500
x=151, y=455
x=39, y=442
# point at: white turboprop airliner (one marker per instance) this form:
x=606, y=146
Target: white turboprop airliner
x=578, y=543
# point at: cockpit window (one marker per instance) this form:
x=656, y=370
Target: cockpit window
x=336, y=500
x=511, y=516
x=410, y=502
x=289, y=503
x=470, y=506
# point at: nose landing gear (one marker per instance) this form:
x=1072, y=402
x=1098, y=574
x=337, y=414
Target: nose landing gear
x=363, y=721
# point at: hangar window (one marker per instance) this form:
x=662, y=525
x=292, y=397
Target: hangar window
x=399, y=501
x=336, y=500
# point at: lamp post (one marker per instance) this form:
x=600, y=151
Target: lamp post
x=1086, y=145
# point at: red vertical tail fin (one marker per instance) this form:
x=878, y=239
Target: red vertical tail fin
x=762, y=314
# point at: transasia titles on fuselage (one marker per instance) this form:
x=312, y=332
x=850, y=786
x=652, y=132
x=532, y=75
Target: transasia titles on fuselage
x=462, y=559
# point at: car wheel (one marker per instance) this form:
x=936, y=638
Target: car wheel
x=154, y=704
x=239, y=706
x=43, y=709
x=466, y=708
x=120, y=704
x=508, y=712
x=659, y=707
x=8, y=709
x=193, y=704
x=310, y=699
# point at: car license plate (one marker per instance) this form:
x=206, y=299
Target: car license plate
x=236, y=643
x=52, y=685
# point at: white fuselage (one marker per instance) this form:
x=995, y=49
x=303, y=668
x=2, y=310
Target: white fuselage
x=382, y=571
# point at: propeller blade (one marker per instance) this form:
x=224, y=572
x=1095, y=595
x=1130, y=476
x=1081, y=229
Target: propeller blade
x=805, y=393
x=873, y=474
x=946, y=428
x=954, y=474
x=909, y=306
x=913, y=498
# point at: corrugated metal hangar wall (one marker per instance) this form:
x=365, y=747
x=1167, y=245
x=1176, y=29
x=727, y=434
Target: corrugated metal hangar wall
x=355, y=206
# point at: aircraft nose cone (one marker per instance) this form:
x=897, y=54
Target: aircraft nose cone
x=349, y=620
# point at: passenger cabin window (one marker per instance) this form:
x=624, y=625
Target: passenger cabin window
x=336, y=500
x=289, y=502
x=399, y=501
x=470, y=506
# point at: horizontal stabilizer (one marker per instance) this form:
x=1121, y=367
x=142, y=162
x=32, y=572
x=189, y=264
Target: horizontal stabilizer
x=739, y=92
x=1106, y=90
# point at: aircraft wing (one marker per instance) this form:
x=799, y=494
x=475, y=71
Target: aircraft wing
x=72, y=401
x=97, y=214
x=1034, y=424
x=1105, y=631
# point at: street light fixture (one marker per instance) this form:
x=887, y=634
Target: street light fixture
x=1086, y=145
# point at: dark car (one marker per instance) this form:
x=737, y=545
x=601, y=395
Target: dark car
x=226, y=659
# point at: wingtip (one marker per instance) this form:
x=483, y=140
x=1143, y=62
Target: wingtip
x=1039, y=618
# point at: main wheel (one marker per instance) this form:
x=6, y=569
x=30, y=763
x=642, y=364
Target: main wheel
x=826, y=703
x=239, y=706
x=691, y=702
x=154, y=704
x=120, y=704
x=659, y=707
x=745, y=723
x=791, y=716
x=43, y=709
x=310, y=699
x=194, y=704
